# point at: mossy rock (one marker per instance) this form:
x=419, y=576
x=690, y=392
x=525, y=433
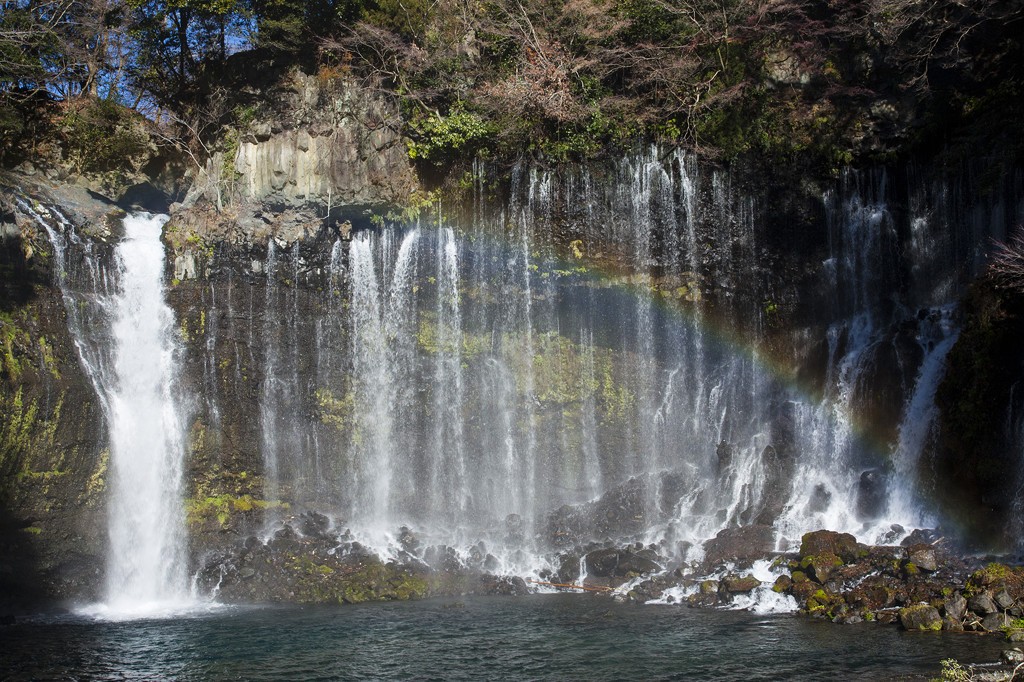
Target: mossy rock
x=995, y=577
x=821, y=567
x=921, y=617
x=842, y=545
x=825, y=603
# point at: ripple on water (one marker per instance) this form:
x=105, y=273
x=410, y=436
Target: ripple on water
x=544, y=637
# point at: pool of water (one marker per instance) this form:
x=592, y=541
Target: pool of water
x=541, y=637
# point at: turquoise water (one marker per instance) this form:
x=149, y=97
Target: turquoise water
x=542, y=637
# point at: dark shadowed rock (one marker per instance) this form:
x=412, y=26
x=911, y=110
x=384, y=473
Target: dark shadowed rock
x=982, y=604
x=503, y=585
x=821, y=498
x=871, y=495
x=746, y=543
x=618, y=563
x=843, y=545
x=724, y=454
x=921, y=536
x=314, y=525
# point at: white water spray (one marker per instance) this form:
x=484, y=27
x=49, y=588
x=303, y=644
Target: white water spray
x=145, y=572
x=125, y=344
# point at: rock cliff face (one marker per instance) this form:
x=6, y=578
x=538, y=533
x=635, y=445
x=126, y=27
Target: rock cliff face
x=320, y=143
x=53, y=442
x=335, y=146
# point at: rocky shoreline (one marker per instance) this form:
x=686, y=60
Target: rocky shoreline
x=925, y=583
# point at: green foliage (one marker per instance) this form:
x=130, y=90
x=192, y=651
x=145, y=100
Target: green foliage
x=651, y=22
x=334, y=411
x=407, y=18
x=437, y=138
x=953, y=671
x=101, y=135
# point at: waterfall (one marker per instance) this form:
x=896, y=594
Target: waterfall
x=125, y=335
x=145, y=568
x=480, y=384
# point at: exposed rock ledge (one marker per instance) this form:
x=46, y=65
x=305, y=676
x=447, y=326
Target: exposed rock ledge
x=329, y=142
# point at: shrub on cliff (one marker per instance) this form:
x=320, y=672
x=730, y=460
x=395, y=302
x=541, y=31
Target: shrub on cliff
x=100, y=135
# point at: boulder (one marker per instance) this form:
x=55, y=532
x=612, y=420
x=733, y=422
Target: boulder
x=820, y=567
x=921, y=536
x=503, y=585
x=706, y=595
x=746, y=543
x=955, y=607
x=923, y=556
x=618, y=563
x=1003, y=600
x=843, y=545
x=982, y=604
x=871, y=495
x=952, y=624
x=314, y=525
x=782, y=584
x=920, y=617
x=993, y=622
x=738, y=584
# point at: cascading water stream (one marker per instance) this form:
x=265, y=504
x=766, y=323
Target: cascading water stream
x=145, y=569
x=124, y=332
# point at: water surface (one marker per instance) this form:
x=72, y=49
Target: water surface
x=542, y=637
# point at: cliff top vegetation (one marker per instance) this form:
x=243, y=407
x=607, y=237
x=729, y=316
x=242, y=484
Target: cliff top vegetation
x=813, y=84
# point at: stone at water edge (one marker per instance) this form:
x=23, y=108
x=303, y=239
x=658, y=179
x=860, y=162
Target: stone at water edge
x=843, y=545
x=618, y=563
x=745, y=543
x=1012, y=656
x=956, y=607
x=920, y=617
x=739, y=584
x=982, y=604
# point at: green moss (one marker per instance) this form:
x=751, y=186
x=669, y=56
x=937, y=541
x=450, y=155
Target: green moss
x=305, y=565
x=97, y=483
x=198, y=511
x=333, y=411
x=429, y=340
x=994, y=575
x=46, y=353
x=823, y=602
x=11, y=364
x=28, y=438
